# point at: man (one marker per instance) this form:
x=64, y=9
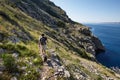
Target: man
x=42, y=45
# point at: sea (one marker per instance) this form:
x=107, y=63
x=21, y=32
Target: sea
x=109, y=34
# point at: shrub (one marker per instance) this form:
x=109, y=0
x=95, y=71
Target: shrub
x=24, y=51
x=31, y=74
x=38, y=61
x=9, y=63
x=99, y=77
x=61, y=24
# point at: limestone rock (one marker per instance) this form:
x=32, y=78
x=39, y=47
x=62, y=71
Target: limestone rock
x=14, y=78
x=15, y=55
x=98, y=44
x=67, y=74
x=85, y=31
x=116, y=69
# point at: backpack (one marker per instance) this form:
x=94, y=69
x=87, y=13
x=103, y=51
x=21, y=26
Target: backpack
x=43, y=40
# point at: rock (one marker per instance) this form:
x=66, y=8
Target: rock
x=20, y=35
x=42, y=12
x=2, y=68
x=44, y=78
x=80, y=77
x=116, y=69
x=15, y=55
x=98, y=45
x=23, y=68
x=67, y=74
x=1, y=72
x=90, y=48
x=13, y=39
x=55, y=64
x=85, y=31
x=2, y=51
x=14, y=78
x=78, y=74
x=61, y=71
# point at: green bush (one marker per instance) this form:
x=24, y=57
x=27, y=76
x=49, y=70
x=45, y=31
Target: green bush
x=29, y=77
x=24, y=51
x=61, y=24
x=9, y=63
x=99, y=77
x=31, y=74
x=7, y=46
x=38, y=61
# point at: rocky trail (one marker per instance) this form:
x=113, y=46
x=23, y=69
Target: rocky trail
x=52, y=68
x=55, y=69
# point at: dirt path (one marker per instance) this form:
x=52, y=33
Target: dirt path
x=52, y=68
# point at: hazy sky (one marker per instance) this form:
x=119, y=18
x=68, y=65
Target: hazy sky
x=91, y=10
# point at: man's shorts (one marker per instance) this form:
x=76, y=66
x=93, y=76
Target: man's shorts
x=44, y=47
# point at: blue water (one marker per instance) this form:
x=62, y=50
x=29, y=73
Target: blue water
x=109, y=34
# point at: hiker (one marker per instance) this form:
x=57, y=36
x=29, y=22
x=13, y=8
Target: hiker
x=42, y=46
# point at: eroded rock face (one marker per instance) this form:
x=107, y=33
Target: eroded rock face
x=116, y=69
x=98, y=45
x=13, y=39
x=90, y=48
x=93, y=45
x=43, y=10
x=86, y=31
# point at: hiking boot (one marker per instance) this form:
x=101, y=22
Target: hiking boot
x=44, y=58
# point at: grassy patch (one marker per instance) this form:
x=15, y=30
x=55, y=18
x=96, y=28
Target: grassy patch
x=9, y=63
x=22, y=50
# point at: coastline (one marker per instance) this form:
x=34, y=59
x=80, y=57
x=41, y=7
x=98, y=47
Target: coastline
x=109, y=35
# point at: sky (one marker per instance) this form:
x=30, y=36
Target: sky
x=91, y=11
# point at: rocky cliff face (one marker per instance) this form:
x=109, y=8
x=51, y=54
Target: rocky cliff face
x=98, y=45
x=42, y=10
x=73, y=45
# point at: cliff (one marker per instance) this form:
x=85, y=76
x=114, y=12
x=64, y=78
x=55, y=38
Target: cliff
x=71, y=46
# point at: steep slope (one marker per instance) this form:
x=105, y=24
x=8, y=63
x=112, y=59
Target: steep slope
x=44, y=11
x=21, y=23
x=51, y=15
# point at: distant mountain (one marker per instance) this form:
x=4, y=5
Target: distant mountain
x=71, y=46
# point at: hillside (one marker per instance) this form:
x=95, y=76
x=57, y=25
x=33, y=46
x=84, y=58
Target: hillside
x=71, y=44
